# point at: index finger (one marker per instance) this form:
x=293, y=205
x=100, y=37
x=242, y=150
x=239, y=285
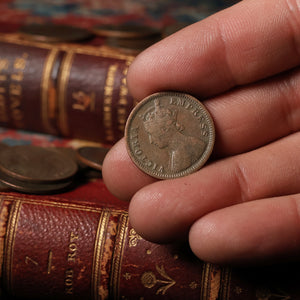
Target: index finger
x=244, y=43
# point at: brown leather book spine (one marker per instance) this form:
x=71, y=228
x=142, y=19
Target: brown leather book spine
x=54, y=248
x=93, y=99
x=74, y=91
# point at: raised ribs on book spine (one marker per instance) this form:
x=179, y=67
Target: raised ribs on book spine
x=58, y=247
x=64, y=250
x=75, y=91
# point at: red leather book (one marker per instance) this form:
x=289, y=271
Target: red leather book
x=69, y=90
x=80, y=245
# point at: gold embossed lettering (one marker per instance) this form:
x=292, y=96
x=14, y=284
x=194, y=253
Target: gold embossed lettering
x=15, y=89
x=73, y=237
x=123, y=90
x=133, y=238
x=71, y=258
x=122, y=117
x=122, y=105
x=107, y=103
x=123, y=101
x=69, y=275
x=72, y=247
x=20, y=62
x=17, y=76
x=3, y=77
x=4, y=64
x=29, y=260
x=107, y=109
x=49, y=267
x=73, y=251
x=83, y=101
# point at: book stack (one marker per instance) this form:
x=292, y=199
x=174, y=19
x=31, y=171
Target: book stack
x=78, y=243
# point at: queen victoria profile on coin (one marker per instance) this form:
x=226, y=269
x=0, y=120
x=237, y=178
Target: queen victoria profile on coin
x=169, y=135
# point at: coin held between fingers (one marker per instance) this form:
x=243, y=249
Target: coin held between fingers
x=169, y=135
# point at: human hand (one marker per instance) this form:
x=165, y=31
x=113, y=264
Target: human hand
x=245, y=205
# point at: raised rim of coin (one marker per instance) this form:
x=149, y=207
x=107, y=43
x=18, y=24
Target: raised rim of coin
x=139, y=155
x=36, y=164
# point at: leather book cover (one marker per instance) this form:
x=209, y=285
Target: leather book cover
x=80, y=245
x=59, y=247
x=70, y=90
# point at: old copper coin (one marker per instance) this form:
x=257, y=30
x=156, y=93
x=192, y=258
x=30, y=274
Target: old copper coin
x=169, y=135
x=92, y=156
x=54, y=33
x=125, y=31
x=36, y=164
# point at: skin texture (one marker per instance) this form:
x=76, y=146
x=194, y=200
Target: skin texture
x=243, y=63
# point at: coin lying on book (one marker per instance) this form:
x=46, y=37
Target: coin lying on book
x=54, y=33
x=92, y=157
x=169, y=135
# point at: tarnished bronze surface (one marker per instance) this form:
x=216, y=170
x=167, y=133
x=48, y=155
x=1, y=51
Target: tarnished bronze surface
x=53, y=33
x=92, y=156
x=169, y=135
x=36, y=164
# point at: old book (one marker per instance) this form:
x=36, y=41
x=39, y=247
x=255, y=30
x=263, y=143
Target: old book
x=69, y=90
x=80, y=245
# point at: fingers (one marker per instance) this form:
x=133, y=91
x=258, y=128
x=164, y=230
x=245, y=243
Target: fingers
x=165, y=210
x=121, y=176
x=257, y=114
x=259, y=231
x=247, y=42
x=245, y=119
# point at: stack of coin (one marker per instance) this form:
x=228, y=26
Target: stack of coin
x=36, y=170
x=129, y=38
